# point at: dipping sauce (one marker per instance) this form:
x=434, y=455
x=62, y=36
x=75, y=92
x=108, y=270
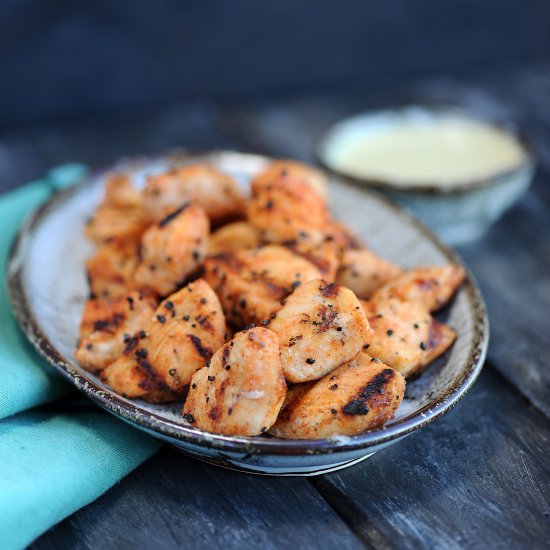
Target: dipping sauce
x=422, y=148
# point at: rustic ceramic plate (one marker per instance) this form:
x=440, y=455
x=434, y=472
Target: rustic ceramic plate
x=48, y=288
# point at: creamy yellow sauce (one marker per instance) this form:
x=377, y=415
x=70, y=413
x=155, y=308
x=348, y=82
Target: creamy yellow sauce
x=438, y=151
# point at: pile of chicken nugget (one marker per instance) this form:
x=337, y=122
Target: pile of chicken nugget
x=262, y=314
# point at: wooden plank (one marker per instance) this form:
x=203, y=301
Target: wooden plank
x=177, y=502
x=512, y=264
x=478, y=478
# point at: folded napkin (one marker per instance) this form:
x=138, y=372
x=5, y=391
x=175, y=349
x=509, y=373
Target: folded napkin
x=58, y=458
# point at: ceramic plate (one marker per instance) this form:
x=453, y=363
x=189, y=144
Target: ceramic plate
x=48, y=289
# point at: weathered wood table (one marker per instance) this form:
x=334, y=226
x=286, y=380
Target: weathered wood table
x=478, y=477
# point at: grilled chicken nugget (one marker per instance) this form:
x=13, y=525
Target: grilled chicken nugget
x=364, y=272
x=111, y=270
x=433, y=285
x=160, y=359
x=325, y=256
x=172, y=249
x=320, y=326
x=288, y=210
x=217, y=193
x=252, y=283
x=119, y=217
x=362, y=394
x=242, y=389
x=313, y=178
x=232, y=237
x=405, y=336
x=107, y=326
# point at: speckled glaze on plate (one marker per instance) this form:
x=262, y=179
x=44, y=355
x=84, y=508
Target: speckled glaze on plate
x=48, y=288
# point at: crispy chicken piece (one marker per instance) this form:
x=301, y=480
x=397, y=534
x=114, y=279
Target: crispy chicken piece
x=342, y=236
x=120, y=192
x=107, y=326
x=288, y=210
x=243, y=388
x=217, y=193
x=111, y=269
x=119, y=217
x=320, y=326
x=312, y=177
x=252, y=283
x=232, y=237
x=362, y=394
x=405, y=336
x=364, y=272
x=173, y=249
x=433, y=285
x=160, y=359
x=325, y=256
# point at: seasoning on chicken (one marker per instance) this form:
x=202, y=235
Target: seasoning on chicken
x=315, y=179
x=252, y=283
x=111, y=270
x=160, y=359
x=288, y=210
x=342, y=236
x=360, y=395
x=232, y=237
x=433, y=285
x=172, y=249
x=217, y=193
x=243, y=388
x=364, y=272
x=325, y=256
x=107, y=326
x=405, y=336
x=119, y=217
x=320, y=326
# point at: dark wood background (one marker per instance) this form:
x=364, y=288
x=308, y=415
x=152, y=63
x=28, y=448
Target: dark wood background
x=61, y=58
x=91, y=82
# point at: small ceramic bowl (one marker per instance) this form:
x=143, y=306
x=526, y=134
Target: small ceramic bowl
x=457, y=210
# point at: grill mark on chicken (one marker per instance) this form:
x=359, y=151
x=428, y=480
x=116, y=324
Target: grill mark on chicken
x=225, y=355
x=330, y=290
x=204, y=351
x=131, y=345
x=204, y=321
x=107, y=324
x=174, y=214
x=359, y=404
x=295, y=339
x=151, y=381
x=326, y=319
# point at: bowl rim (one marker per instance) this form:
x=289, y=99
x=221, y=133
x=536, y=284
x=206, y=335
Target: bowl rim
x=438, y=110
x=163, y=427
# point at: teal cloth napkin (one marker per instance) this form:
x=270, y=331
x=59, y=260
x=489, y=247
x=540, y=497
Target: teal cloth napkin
x=56, y=459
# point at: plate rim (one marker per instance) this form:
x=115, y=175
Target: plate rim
x=158, y=425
